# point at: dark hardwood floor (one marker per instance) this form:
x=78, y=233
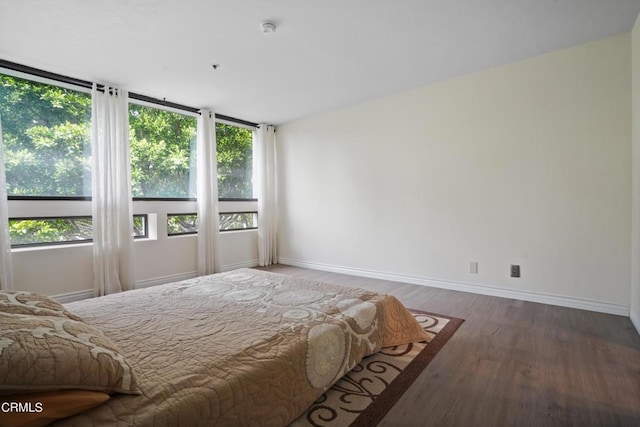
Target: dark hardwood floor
x=514, y=363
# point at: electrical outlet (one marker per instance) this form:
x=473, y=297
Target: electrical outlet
x=515, y=270
x=473, y=267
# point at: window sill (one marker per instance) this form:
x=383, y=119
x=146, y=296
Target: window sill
x=50, y=247
x=241, y=230
x=67, y=245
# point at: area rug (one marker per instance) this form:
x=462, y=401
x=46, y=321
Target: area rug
x=368, y=391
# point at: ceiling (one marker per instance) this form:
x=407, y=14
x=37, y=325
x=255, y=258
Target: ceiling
x=324, y=55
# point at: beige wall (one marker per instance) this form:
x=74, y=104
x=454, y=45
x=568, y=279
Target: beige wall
x=527, y=164
x=635, y=252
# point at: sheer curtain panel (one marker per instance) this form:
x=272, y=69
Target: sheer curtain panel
x=6, y=267
x=207, y=194
x=265, y=158
x=111, y=192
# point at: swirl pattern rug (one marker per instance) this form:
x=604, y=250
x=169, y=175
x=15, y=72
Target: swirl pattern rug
x=365, y=394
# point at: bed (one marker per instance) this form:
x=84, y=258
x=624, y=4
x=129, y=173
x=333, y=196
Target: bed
x=246, y=347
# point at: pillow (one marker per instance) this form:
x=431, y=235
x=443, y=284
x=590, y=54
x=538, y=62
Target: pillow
x=21, y=302
x=44, y=353
x=47, y=407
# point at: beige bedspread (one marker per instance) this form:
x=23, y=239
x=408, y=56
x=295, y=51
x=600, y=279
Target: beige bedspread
x=246, y=347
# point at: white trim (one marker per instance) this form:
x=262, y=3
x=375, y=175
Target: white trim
x=236, y=124
x=146, y=283
x=161, y=107
x=73, y=296
x=244, y=264
x=560, y=300
x=635, y=319
x=80, y=295
x=38, y=79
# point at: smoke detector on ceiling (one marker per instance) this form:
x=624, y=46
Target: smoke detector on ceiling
x=268, y=27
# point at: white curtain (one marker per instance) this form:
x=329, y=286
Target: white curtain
x=265, y=159
x=6, y=268
x=207, y=194
x=111, y=192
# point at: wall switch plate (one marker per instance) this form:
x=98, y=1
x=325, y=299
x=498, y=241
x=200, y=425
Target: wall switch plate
x=515, y=270
x=473, y=267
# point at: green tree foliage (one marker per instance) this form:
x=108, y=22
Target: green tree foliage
x=188, y=223
x=30, y=231
x=235, y=161
x=46, y=131
x=182, y=224
x=54, y=230
x=163, y=155
x=163, y=152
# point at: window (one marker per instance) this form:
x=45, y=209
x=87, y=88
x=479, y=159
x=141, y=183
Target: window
x=235, y=161
x=163, y=153
x=47, y=148
x=230, y=221
x=46, y=134
x=46, y=131
x=60, y=230
x=179, y=224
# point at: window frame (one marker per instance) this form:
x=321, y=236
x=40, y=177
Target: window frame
x=253, y=128
x=145, y=103
x=52, y=79
x=45, y=77
x=70, y=242
x=187, y=233
x=56, y=207
x=241, y=212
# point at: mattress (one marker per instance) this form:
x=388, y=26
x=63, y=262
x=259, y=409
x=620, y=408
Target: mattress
x=246, y=347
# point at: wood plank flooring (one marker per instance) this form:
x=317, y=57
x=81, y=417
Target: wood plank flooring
x=514, y=363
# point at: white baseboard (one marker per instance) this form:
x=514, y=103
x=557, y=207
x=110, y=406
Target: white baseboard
x=190, y=275
x=635, y=319
x=560, y=300
x=146, y=283
x=73, y=296
x=244, y=264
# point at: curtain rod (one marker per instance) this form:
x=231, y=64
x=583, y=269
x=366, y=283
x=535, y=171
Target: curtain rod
x=87, y=84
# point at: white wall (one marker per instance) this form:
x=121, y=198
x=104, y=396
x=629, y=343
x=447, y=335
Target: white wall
x=68, y=269
x=635, y=251
x=527, y=164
